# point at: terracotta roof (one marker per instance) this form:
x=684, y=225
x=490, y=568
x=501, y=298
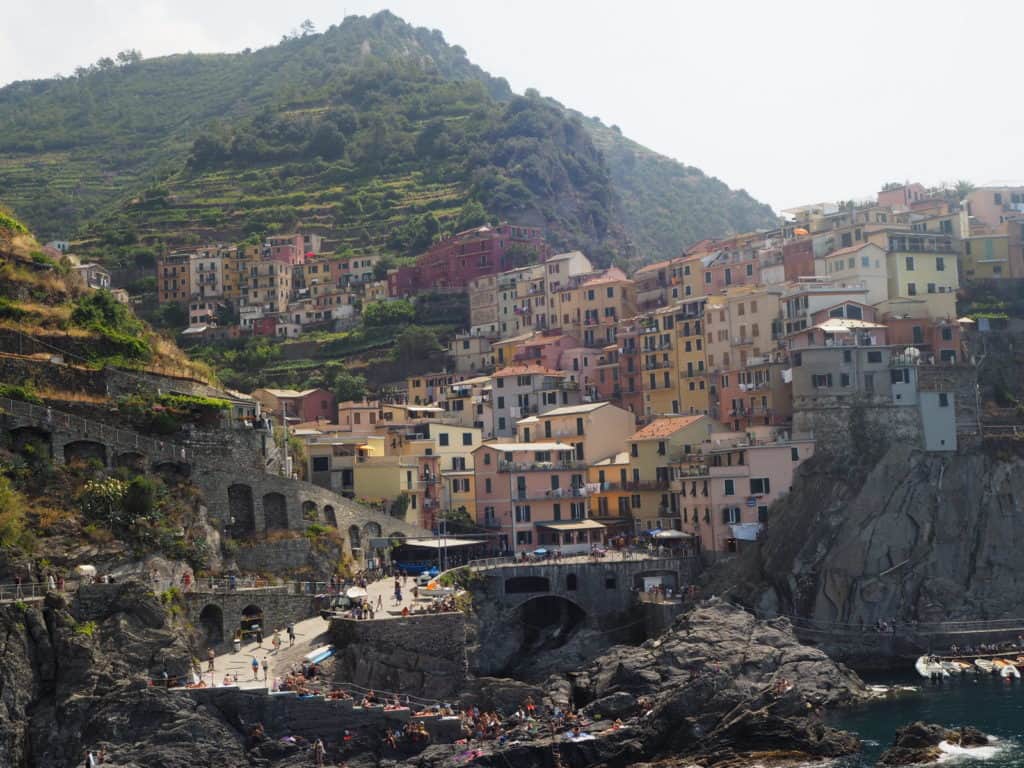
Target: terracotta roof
x=523, y=370
x=610, y=275
x=655, y=265
x=540, y=341
x=850, y=249
x=664, y=427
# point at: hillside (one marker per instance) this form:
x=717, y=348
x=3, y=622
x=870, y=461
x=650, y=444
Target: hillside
x=374, y=129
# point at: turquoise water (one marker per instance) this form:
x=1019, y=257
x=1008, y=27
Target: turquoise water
x=987, y=702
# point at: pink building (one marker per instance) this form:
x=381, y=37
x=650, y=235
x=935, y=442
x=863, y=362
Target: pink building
x=307, y=405
x=288, y=249
x=545, y=349
x=581, y=363
x=727, y=500
x=901, y=198
x=534, y=495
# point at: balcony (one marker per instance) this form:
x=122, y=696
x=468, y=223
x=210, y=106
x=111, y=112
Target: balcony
x=652, y=365
x=541, y=466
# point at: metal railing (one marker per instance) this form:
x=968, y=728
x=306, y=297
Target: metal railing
x=49, y=418
x=12, y=593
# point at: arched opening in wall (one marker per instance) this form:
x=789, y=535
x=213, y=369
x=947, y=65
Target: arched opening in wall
x=570, y=582
x=252, y=617
x=211, y=623
x=241, y=510
x=132, y=460
x=85, y=451
x=309, y=511
x=275, y=512
x=354, y=538
x=329, y=515
x=519, y=585
x=548, y=622
x=172, y=471
x=646, y=580
x=371, y=531
x=31, y=442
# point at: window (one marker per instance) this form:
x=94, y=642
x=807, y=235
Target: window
x=321, y=463
x=911, y=289
x=524, y=537
x=794, y=453
x=487, y=484
x=998, y=198
x=579, y=426
x=847, y=356
x=487, y=458
x=442, y=438
x=865, y=261
x=610, y=293
x=523, y=513
x=707, y=278
x=931, y=287
x=731, y=515
x=556, y=511
x=821, y=380
x=899, y=376
x=634, y=450
x=760, y=485
x=940, y=264
x=634, y=501
x=910, y=263
x=762, y=514
x=844, y=379
x=501, y=400
x=730, y=488
x=874, y=356
x=943, y=400
x=947, y=333
x=661, y=447
x=797, y=359
x=501, y=422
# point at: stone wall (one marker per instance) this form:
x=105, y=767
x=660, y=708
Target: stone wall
x=44, y=374
x=281, y=556
x=277, y=604
x=419, y=655
x=829, y=423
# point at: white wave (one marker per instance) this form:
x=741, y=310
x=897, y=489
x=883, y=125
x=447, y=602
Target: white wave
x=954, y=751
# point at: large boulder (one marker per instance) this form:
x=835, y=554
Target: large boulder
x=918, y=743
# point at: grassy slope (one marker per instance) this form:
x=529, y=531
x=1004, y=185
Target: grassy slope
x=76, y=149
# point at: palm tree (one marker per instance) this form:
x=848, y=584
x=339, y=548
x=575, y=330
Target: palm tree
x=963, y=188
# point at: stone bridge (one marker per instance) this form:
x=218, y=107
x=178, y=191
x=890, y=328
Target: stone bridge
x=235, y=469
x=523, y=604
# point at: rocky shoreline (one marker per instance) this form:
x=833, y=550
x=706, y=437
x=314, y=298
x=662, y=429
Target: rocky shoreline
x=719, y=688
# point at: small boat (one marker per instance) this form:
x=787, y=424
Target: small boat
x=952, y=667
x=985, y=665
x=929, y=667
x=964, y=666
x=1005, y=668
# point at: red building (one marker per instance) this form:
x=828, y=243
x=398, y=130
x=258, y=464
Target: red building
x=458, y=260
x=798, y=258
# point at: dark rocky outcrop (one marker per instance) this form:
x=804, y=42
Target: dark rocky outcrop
x=919, y=743
x=718, y=687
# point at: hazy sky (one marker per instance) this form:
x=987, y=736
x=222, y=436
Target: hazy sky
x=794, y=101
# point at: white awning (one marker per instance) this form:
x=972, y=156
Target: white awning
x=577, y=525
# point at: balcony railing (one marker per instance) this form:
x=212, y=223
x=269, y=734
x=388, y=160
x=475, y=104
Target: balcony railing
x=541, y=466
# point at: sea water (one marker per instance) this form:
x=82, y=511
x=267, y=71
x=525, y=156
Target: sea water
x=987, y=702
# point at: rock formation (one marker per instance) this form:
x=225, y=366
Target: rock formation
x=913, y=537
x=919, y=743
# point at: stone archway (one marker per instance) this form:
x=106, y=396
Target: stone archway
x=275, y=512
x=354, y=537
x=251, y=618
x=371, y=530
x=241, y=509
x=132, y=460
x=309, y=511
x=172, y=471
x=32, y=441
x=211, y=622
x=85, y=451
x=330, y=516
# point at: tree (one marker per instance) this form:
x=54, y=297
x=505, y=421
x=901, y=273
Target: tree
x=963, y=188
x=378, y=313
x=327, y=142
x=380, y=269
x=471, y=215
x=129, y=56
x=12, y=514
x=349, y=386
x=307, y=27
x=416, y=344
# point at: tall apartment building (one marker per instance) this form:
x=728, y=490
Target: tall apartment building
x=173, y=278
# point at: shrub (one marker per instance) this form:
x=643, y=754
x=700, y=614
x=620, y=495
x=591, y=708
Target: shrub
x=85, y=628
x=12, y=515
x=23, y=392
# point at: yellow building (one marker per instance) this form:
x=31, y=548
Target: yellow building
x=610, y=506
x=691, y=359
x=652, y=452
x=659, y=366
x=986, y=257
x=590, y=310
x=925, y=266
x=428, y=387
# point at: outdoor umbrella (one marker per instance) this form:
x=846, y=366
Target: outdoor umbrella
x=540, y=551
x=355, y=592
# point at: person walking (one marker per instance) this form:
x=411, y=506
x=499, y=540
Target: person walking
x=266, y=669
x=380, y=602
x=319, y=752
x=276, y=642
x=259, y=636
x=255, y=668
x=291, y=633
x=210, y=656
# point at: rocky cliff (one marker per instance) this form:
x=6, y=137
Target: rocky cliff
x=911, y=537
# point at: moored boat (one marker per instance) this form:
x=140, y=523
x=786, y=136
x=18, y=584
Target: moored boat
x=953, y=667
x=985, y=665
x=930, y=667
x=1006, y=668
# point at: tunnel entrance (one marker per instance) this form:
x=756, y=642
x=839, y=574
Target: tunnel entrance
x=547, y=623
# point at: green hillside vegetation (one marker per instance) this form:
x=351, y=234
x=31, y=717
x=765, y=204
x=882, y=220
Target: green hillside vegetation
x=374, y=130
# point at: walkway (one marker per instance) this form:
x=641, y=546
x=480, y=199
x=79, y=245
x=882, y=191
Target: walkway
x=610, y=556
x=309, y=634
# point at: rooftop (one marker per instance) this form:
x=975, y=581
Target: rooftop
x=664, y=427
x=526, y=370
x=568, y=410
x=513, y=447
